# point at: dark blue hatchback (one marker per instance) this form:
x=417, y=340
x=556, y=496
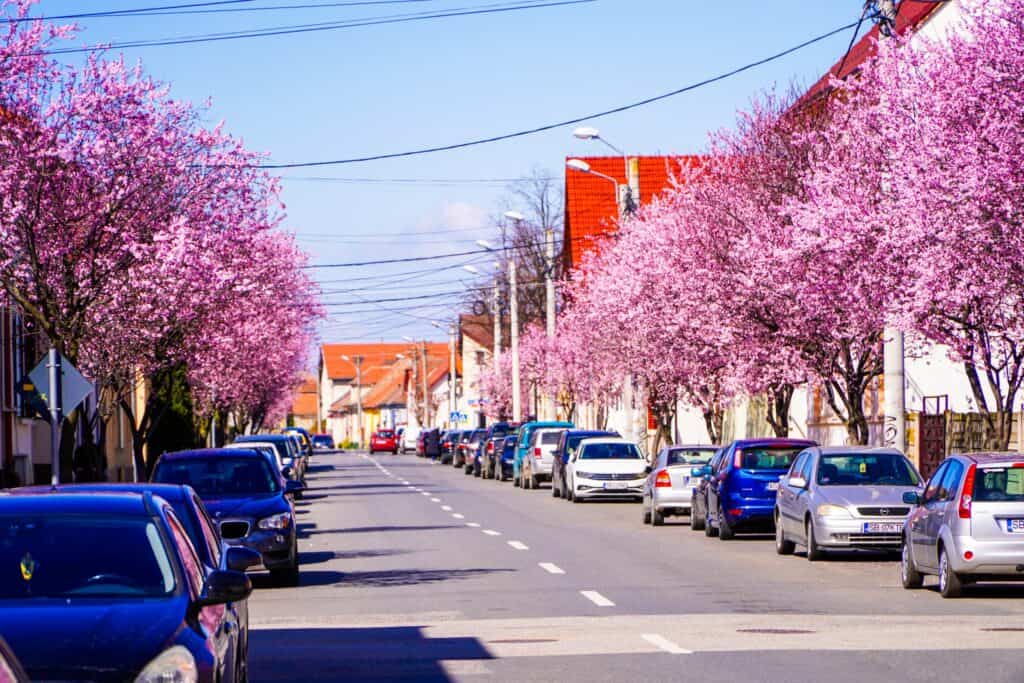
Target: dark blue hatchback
x=742, y=487
x=108, y=587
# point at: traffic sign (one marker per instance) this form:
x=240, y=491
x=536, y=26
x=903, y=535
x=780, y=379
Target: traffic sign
x=74, y=387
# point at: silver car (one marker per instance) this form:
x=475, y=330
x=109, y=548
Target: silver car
x=968, y=524
x=668, y=489
x=540, y=456
x=843, y=497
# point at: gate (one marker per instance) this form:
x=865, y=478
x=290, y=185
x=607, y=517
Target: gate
x=933, y=433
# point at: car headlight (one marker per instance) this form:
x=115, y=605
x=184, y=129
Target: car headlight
x=174, y=665
x=584, y=475
x=830, y=510
x=276, y=522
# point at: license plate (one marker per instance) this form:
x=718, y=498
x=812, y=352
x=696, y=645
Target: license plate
x=614, y=485
x=883, y=527
x=772, y=486
x=1015, y=526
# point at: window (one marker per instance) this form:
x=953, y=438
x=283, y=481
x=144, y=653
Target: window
x=950, y=480
x=767, y=458
x=188, y=554
x=798, y=465
x=220, y=475
x=609, y=451
x=688, y=456
x=999, y=484
x=865, y=469
x=480, y=358
x=931, y=493
x=212, y=539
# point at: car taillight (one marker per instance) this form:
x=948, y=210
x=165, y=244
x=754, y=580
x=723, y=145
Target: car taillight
x=536, y=453
x=663, y=480
x=737, y=458
x=968, y=491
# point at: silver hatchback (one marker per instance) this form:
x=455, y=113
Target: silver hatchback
x=843, y=497
x=968, y=525
x=669, y=487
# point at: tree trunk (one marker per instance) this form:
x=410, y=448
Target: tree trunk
x=714, y=420
x=779, y=398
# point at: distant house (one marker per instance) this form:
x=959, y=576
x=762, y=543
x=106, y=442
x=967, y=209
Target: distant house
x=305, y=406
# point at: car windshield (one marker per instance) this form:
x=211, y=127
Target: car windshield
x=767, y=458
x=999, y=484
x=63, y=556
x=322, y=440
x=610, y=451
x=550, y=438
x=689, y=456
x=219, y=476
x=863, y=469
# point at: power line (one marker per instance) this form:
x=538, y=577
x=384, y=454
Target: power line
x=853, y=39
x=567, y=122
x=178, y=10
x=127, y=12
x=312, y=28
x=418, y=181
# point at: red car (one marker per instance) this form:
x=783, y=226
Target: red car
x=384, y=440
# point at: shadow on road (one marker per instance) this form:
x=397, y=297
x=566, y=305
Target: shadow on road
x=319, y=556
x=389, y=578
x=356, y=654
x=372, y=529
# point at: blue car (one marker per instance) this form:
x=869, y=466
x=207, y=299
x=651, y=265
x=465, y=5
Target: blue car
x=108, y=587
x=248, y=501
x=524, y=441
x=743, y=484
x=505, y=456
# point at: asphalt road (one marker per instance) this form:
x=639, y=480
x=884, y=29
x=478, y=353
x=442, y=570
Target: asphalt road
x=414, y=571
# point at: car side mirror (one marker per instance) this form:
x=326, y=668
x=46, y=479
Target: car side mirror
x=798, y=482
x=698, y=471
x=911, y=497
x=238, y=558
x=224, y=586
x=291, y=487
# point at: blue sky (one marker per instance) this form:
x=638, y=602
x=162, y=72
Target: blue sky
x=388, y=88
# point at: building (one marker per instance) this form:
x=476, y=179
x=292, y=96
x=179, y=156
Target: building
x=305, y=406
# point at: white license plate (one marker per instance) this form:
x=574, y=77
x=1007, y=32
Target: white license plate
x=883, y=527
x=614, y=485
x=772, y=486
x=1015, y=526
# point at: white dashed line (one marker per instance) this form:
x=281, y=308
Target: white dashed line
x=456, y=515
x=405, y=483
x=473, y=524
x=551, y=568
x=492, y=532
x=663, y=643
x=435, y=500
x=446, y=508
x=518, y=545
x=597, y=599
x=424, y=493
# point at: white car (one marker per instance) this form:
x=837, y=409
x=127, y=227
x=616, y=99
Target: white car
x=409, y=438
x=284, y=466
x=606, y=468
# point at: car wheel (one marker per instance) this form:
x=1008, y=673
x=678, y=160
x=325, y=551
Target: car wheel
x=814, y=551
x=696, y=516
x=534, y=484
x=909, y=576
x=499, y=473
x=783, y=546
x=709, y=530
x=950, y=585
x=556, y=488
x=725, y=532
x=657, y=519
x=646, y=515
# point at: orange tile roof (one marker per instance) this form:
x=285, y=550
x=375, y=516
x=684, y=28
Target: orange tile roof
x=374, y=355
x=306, y=399
x=591, y=209
x=390, y=389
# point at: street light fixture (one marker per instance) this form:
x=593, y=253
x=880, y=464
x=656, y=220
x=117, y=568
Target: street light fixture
x=470, y=269
x=515, y=216
x=485, y=244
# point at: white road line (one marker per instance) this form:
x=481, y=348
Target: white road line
x=435, y=500
x=446, y=508
x=492, y=532
x=473, y=524
x=551, y=568
x=424, y=493
x=597, y=599
x=663, y=643
x=405, y=483
x=456, y=515
x=518, y=545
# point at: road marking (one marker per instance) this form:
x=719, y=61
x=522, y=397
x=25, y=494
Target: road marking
x=446, y=508
x=597, y=599
x=435, y=500
x=663, y=643
x=551, y=568
x=424, y=493
x=518, y=545
x=492, y=532
x=456, y=515
x=405, y=483
x=473, y=524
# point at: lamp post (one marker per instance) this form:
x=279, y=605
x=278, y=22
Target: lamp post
x=513, y=295
x=358, y=362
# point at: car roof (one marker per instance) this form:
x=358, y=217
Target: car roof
x=694, y=446
x=214, y=452
x=608, y=439
x=857, y=450
x=993, y=457
x=262, y=437
x=172, y=493
x=548, y=423
x=126, y=504
x=774, y=441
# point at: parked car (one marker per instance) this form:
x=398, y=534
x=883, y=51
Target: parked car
x=493, y=437
x=536, y=465
x=740, y=496
x=247, y=500
x=668, y=490
x=506, y=455
x=968, y=524
x=108, y=584
x=606, y=467
x=432, y=444
x=421, y=444
x=449, y=442
x=701, y=478
x=471, y=453
x=569, y=440
x=462, y=456
x=843, y=497
x=323, y=442
x=305, y=438
x=11, y=670
x=287, y=471
x=384, y=440
x=287, y=449
x=409, y=438
x=523, y=444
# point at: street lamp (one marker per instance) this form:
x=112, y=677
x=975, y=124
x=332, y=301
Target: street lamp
x=358, y=362
x=469, y=269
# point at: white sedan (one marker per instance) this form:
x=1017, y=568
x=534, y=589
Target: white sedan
x=606, y=468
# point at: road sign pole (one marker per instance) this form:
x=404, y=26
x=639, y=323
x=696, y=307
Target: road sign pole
x=55, y=400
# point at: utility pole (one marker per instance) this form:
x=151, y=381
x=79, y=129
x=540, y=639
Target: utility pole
x=496, y=314
x=359, y=397
x=549, y=301
x=517, y=408
x=451, y=376
x=55, y=400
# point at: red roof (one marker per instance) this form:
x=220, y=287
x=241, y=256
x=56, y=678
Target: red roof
x=590, y=205
x=909, y=16
x=305, y=402
x=374, y=356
